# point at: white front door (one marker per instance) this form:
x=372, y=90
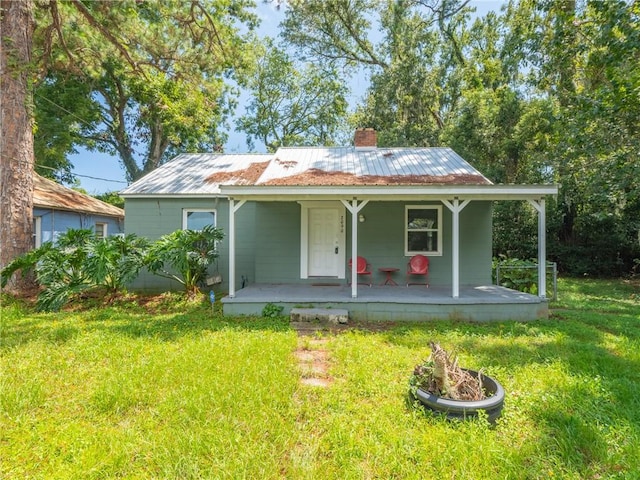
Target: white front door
x=325, y=242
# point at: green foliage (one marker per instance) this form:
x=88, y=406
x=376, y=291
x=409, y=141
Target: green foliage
x=138, y=80
x=293, y=105
x=115, y=261
x=112, y=198
x=515, y=230
x=59, y=268
x=271, y=310
x=64, y=113
x=422, y=377
x=184, y=256
x=77, y=262
x=517, y=274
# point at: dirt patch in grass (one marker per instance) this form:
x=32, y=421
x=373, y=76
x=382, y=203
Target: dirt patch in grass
x=313, y=360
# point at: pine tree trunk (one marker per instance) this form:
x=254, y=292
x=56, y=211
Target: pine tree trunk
x=16, y=134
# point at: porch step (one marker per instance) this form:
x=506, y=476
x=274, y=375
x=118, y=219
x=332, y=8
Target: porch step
x=322, y=315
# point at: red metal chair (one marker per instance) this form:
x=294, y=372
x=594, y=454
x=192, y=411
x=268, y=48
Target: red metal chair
x=418, y=265
x=362, y=268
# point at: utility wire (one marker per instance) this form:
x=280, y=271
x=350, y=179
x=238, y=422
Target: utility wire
x=86, y=123
x=89, y=124
x=75, y=174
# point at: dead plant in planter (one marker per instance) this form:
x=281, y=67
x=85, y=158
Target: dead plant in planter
x=441, y=375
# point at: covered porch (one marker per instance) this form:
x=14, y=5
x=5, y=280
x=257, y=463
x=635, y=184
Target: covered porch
x=393, y=303
x=457, y=296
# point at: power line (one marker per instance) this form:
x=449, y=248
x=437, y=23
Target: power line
x=83, y=176
x=74, y=174
x=89, y=124
x=98, y=178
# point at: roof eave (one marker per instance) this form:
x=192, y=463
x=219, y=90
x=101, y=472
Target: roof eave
x=391, y=192
x=83, y=211
x=172, y=195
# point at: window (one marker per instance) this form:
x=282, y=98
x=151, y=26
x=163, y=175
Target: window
x=423, y=233
x=197, y=219
x=101, y=230
x=37, y=232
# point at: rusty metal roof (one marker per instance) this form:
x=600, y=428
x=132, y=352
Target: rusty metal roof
x=200, y=174
x=377, y=166
x=49, y=194
x=204, y=173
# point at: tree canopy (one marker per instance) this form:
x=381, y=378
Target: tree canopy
x=542, y=91
x=293, y=104
x=138, y=80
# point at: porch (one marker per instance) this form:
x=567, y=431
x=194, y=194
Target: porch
x=392, y=303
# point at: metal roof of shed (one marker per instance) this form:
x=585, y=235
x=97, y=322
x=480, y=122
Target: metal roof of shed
x=203, y=174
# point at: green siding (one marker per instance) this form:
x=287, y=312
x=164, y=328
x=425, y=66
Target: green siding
x=268, y=239
x=152, y=218
x=476, y=247
x=278, y=243
x=381, y=242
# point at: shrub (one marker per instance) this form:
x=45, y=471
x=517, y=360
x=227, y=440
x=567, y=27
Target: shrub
x=521, y=275
x=271, y=310
x=187, y=253
x=77, y=262
x=115, y=261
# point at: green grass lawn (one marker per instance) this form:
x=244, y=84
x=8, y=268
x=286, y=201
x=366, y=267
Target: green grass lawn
x=172, y=390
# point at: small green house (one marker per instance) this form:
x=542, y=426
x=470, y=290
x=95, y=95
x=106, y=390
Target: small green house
x=295, y=218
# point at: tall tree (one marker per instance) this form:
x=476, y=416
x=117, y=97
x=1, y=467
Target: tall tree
x=291, y=105
x=585, y=59
x=413, y=62
x=152, y=68
x=16, y=137
x=158, y=85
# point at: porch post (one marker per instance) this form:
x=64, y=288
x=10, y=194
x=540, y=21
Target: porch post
x=354, y=248
x=539, y=205
x=455, y=207
x=233, y=208
x=354, y=209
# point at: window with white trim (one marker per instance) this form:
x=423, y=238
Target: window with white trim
x=101, y=230
x=198, y=218
x=423, y=230
x=37, y=232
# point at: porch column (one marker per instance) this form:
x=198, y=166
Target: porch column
x=233, y=208
x=354, y=209
x=455, y=207
x=539, y=205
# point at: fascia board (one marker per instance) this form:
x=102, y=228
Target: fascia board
x=172, y=195
x=471, y=192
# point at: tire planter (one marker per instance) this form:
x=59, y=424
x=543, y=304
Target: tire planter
x=463, y=409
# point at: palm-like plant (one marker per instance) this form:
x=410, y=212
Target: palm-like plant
x=58, y=267
x=79, y=261
x=115, y=261
x=187, y=254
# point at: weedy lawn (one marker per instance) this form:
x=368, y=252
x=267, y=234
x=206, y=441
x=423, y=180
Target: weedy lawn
x=174, y=390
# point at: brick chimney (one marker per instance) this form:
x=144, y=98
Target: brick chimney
x=365, y=139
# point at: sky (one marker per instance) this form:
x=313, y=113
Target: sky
x=99, y=173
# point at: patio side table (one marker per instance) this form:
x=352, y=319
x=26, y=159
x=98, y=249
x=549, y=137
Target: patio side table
x=389, y=271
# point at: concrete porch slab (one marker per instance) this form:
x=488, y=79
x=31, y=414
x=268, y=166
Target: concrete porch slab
x=383, y=303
